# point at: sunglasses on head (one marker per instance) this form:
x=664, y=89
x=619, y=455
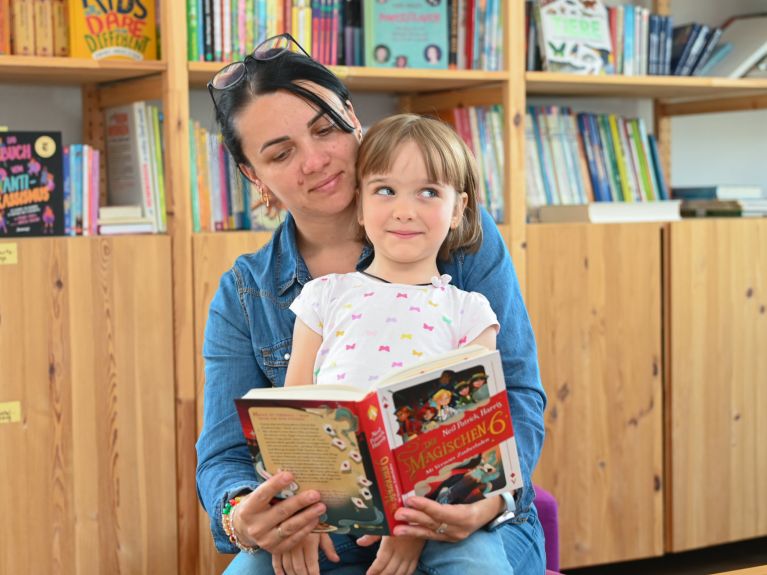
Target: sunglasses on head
x=232, y=74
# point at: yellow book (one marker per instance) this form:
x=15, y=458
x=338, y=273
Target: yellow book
x=620, y=157
x=125, y=32
x=23, y=27
x=43, y=28
x=60, y=28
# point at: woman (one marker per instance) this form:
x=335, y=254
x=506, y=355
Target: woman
x=290, y=126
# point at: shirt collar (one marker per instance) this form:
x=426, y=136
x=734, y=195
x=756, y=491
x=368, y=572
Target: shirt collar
x=290, y=266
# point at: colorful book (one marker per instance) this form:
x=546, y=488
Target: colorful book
x=113, y=31
x=574, y=36
x=31, y=184
x=406, y=34
x=441, y=429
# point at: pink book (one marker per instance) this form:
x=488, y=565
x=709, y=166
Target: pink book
x=241, y=29
x=223, y=186
x=335, y=9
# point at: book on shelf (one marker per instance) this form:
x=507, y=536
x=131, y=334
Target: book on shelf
x=5, y=27
x=724, y=208
x=403, y=34
x=22, y=27
x=717, y=192
x=31, y=184
x=574, y=36
x=748, y=39
x=609, y=212
x=440, y=429
x=113, y=31
x=134, y=159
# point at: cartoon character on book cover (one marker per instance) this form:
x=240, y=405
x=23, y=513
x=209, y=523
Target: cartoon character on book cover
x=575, y=36
x=31, y=184
x=124, y=30
x=322, y=447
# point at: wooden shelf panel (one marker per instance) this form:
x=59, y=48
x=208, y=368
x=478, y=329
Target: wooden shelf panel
x=662, y=87
x=72, y=71
x=379, y=79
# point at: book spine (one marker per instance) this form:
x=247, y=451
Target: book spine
x=539, y=144
x=43, y=27
x=194, y=188
x=373, y=424
x=5, y=27
x=226, y=30
x=60, y=28
x=95, y=190
x=67, y=190
x=23, y=27
x=192, y=30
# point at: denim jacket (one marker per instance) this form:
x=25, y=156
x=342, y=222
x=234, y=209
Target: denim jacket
x=248, y=340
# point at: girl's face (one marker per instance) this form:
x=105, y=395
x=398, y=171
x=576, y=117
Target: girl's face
x=406, y=216
x=298, y=154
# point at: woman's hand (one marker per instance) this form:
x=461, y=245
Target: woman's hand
x=397, y=556
x=304, y=558
x=428, y=519
x=277, y=527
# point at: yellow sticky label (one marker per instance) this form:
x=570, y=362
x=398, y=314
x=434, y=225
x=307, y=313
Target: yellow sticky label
x=9, y=254
x=10, y=412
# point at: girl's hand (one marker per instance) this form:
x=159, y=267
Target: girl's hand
x=277, y=527
x=397, y=556
x=304, y=558
x=428, y=519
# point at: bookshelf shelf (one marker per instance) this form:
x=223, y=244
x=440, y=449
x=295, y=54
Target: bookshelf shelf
x=660, y=87
x=72, y=71
x=363, y=79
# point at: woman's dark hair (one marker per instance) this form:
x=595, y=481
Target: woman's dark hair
x=283, y=72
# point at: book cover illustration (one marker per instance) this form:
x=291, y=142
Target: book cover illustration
x=406, y=33
x=31, y=184
x=113, y=30
x=296, y=438
x=575, y=36
x=453, y=437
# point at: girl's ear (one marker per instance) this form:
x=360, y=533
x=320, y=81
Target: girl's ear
x=460, y=205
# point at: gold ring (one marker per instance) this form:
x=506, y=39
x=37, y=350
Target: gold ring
x=441, y=529
x=280, y=534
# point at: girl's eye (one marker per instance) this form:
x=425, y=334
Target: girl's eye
x=429, y=193
x=383, y=191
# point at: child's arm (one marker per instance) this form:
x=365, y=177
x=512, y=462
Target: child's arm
x=486, y=338
x=306, y=344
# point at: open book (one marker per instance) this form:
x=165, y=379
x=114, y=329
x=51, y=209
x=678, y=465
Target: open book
x=440, y=429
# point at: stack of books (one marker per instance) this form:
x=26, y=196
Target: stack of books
x=117, y=220
x=721, y=201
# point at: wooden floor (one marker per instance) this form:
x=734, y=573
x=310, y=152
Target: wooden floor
x=702, y=562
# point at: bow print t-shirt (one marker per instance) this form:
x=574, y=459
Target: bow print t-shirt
x=370, y=328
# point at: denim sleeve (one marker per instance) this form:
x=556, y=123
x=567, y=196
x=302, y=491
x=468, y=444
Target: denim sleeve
x=224, y=465
x=490, y=271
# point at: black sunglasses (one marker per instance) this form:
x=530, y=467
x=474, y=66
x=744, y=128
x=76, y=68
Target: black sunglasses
x=232, y=74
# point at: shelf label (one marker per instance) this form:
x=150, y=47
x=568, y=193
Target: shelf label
x=9, y=255
x=10, y=412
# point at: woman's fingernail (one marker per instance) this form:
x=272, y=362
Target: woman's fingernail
x=314, y=496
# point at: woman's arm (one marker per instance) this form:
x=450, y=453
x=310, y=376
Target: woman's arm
x=224, y=464
x=306, y=345
x=490, y=272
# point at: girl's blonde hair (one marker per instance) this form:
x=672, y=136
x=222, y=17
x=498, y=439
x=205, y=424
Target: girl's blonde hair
x=448, y=161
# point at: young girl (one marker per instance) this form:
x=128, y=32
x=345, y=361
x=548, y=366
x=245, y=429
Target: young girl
x=417, y=202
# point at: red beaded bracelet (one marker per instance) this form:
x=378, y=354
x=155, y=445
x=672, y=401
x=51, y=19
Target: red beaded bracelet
x=227, y=521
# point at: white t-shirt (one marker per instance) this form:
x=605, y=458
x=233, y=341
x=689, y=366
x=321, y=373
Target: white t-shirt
x=370, y=328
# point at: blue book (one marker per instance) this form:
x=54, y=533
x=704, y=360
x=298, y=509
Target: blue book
x=628, y=41
x=67, y=193
x=76, y=174
x=662, y=189
x=542, y=160
x=404, y=34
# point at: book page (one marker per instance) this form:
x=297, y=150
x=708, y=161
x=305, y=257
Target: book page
x=323, y=450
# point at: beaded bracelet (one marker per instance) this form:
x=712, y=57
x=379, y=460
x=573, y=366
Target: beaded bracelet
x=227, y=521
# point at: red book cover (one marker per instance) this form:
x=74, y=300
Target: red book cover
x=440, y=429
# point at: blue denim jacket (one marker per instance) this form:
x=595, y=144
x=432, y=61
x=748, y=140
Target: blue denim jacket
x=248, y=341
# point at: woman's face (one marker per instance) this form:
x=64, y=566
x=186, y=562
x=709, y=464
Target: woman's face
x=298, y=154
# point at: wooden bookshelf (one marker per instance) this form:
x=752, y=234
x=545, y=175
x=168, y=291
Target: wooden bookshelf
x=361, y=79
x=72, y=71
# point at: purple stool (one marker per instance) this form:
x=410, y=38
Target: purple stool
x=546, y=504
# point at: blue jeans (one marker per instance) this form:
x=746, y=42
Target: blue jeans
x=512, y=549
